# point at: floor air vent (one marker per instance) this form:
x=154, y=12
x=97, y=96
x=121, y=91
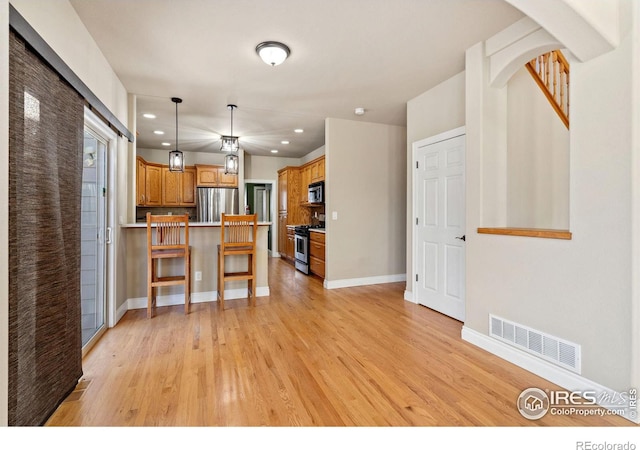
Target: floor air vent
x=558, y=351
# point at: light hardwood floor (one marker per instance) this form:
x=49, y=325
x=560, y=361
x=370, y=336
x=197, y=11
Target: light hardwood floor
x=303, y=356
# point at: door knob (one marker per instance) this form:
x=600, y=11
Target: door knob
x=462, y=238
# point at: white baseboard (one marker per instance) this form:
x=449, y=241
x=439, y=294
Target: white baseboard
x=120, y=312
x=408, y=296
x=196, y=297
x=351, y=282
x=557, y=375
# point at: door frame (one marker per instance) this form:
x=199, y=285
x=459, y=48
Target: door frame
x=274, y=212
x=446, y=135
x=93, y=122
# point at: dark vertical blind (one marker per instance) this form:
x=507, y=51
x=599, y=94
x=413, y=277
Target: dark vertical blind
x=45, y=173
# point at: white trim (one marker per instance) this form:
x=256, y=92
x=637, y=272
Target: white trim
x=555, y=374
x=351, y=282
x=93, y=122
x=408, y=296
x=635, y=196
x=274, y=211
x=196, y=297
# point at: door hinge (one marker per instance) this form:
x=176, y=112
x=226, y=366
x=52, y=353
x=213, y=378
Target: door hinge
x=417, y=164
x=416, y=221
x=416, y=277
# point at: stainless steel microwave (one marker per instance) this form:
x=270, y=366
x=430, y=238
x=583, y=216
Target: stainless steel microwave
x=316, y=192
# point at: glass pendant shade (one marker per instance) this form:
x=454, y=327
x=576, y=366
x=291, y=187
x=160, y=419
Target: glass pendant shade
x=176, y=161
x=230, y=144
x=273, y=53
x=231, y=164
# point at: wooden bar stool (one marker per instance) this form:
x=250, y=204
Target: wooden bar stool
x=165, y=240
x=238, y=235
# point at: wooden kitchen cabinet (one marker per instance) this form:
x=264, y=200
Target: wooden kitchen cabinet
x=189, y=186
x=214, y=176
x=227, y=179
x=289, y=193
x=291, y=244
x=207, y=176
x=317, y=170
x=282, y=235
x=153, y=185
x=178, y=188
x=141, y=181
x=317, y=253
x=305, y=181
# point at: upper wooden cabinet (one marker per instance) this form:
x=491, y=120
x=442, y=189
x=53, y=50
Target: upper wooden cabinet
x=226, y=179
x=153, y=185
x=289, y=191
x=317, y=170
x=179, y=188
x=305, y=181
x=141, y=181
x=214, y=176
x=157, y=186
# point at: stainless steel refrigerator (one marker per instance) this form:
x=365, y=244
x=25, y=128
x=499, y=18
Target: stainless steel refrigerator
x=212, y=202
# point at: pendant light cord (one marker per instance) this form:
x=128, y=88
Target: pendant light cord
x=176, y=125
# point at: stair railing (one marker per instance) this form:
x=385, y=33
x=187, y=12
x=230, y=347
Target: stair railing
x=551, y=73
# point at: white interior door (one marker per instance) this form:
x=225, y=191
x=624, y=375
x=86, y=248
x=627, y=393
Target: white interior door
x=439, y=237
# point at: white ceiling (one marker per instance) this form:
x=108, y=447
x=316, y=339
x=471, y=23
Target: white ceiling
x=374, y=54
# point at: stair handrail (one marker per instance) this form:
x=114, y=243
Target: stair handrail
x=551, y=73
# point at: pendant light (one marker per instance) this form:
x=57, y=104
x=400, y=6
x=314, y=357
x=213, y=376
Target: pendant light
x=176, y=158
x=230, y=144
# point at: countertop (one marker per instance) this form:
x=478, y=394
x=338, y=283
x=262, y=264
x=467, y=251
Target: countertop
x=317, y=230
x=191, y=224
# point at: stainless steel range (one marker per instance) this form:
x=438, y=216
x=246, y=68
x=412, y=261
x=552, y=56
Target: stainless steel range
x=302, y=247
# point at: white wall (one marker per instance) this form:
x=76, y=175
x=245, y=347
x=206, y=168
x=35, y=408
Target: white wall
x=438, y=110
x=266, y=167
x=4, y=213
x=317, y=153
x=190, y=158
x=366, y=166
x=537, y=158
x=580, y=289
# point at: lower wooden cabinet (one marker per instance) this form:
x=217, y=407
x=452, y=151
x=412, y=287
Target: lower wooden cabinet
x=291, y=244
x=317, y=253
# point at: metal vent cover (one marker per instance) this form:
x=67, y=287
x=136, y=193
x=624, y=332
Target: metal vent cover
x=551, y=348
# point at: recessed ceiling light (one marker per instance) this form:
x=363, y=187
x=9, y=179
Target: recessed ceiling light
x=166, y=144
x=149, y=116
x=298, y=130
x=158, y=132
x=274, y=151
x=284, y=142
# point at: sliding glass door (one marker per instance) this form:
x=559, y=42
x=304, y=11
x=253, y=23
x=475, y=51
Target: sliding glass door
x=95, y=236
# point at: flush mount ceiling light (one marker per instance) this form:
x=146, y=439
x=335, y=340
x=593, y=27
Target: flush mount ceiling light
x=176, y=158
x=273, y=53
x=359, y=111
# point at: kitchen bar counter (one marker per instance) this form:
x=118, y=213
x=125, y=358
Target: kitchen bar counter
x=203, y=240
x=191, y=224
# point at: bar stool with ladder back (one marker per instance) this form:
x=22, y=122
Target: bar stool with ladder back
x=167, y=238
x=238, y=235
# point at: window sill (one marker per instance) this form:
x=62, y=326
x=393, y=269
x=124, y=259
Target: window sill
x=528, y=232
